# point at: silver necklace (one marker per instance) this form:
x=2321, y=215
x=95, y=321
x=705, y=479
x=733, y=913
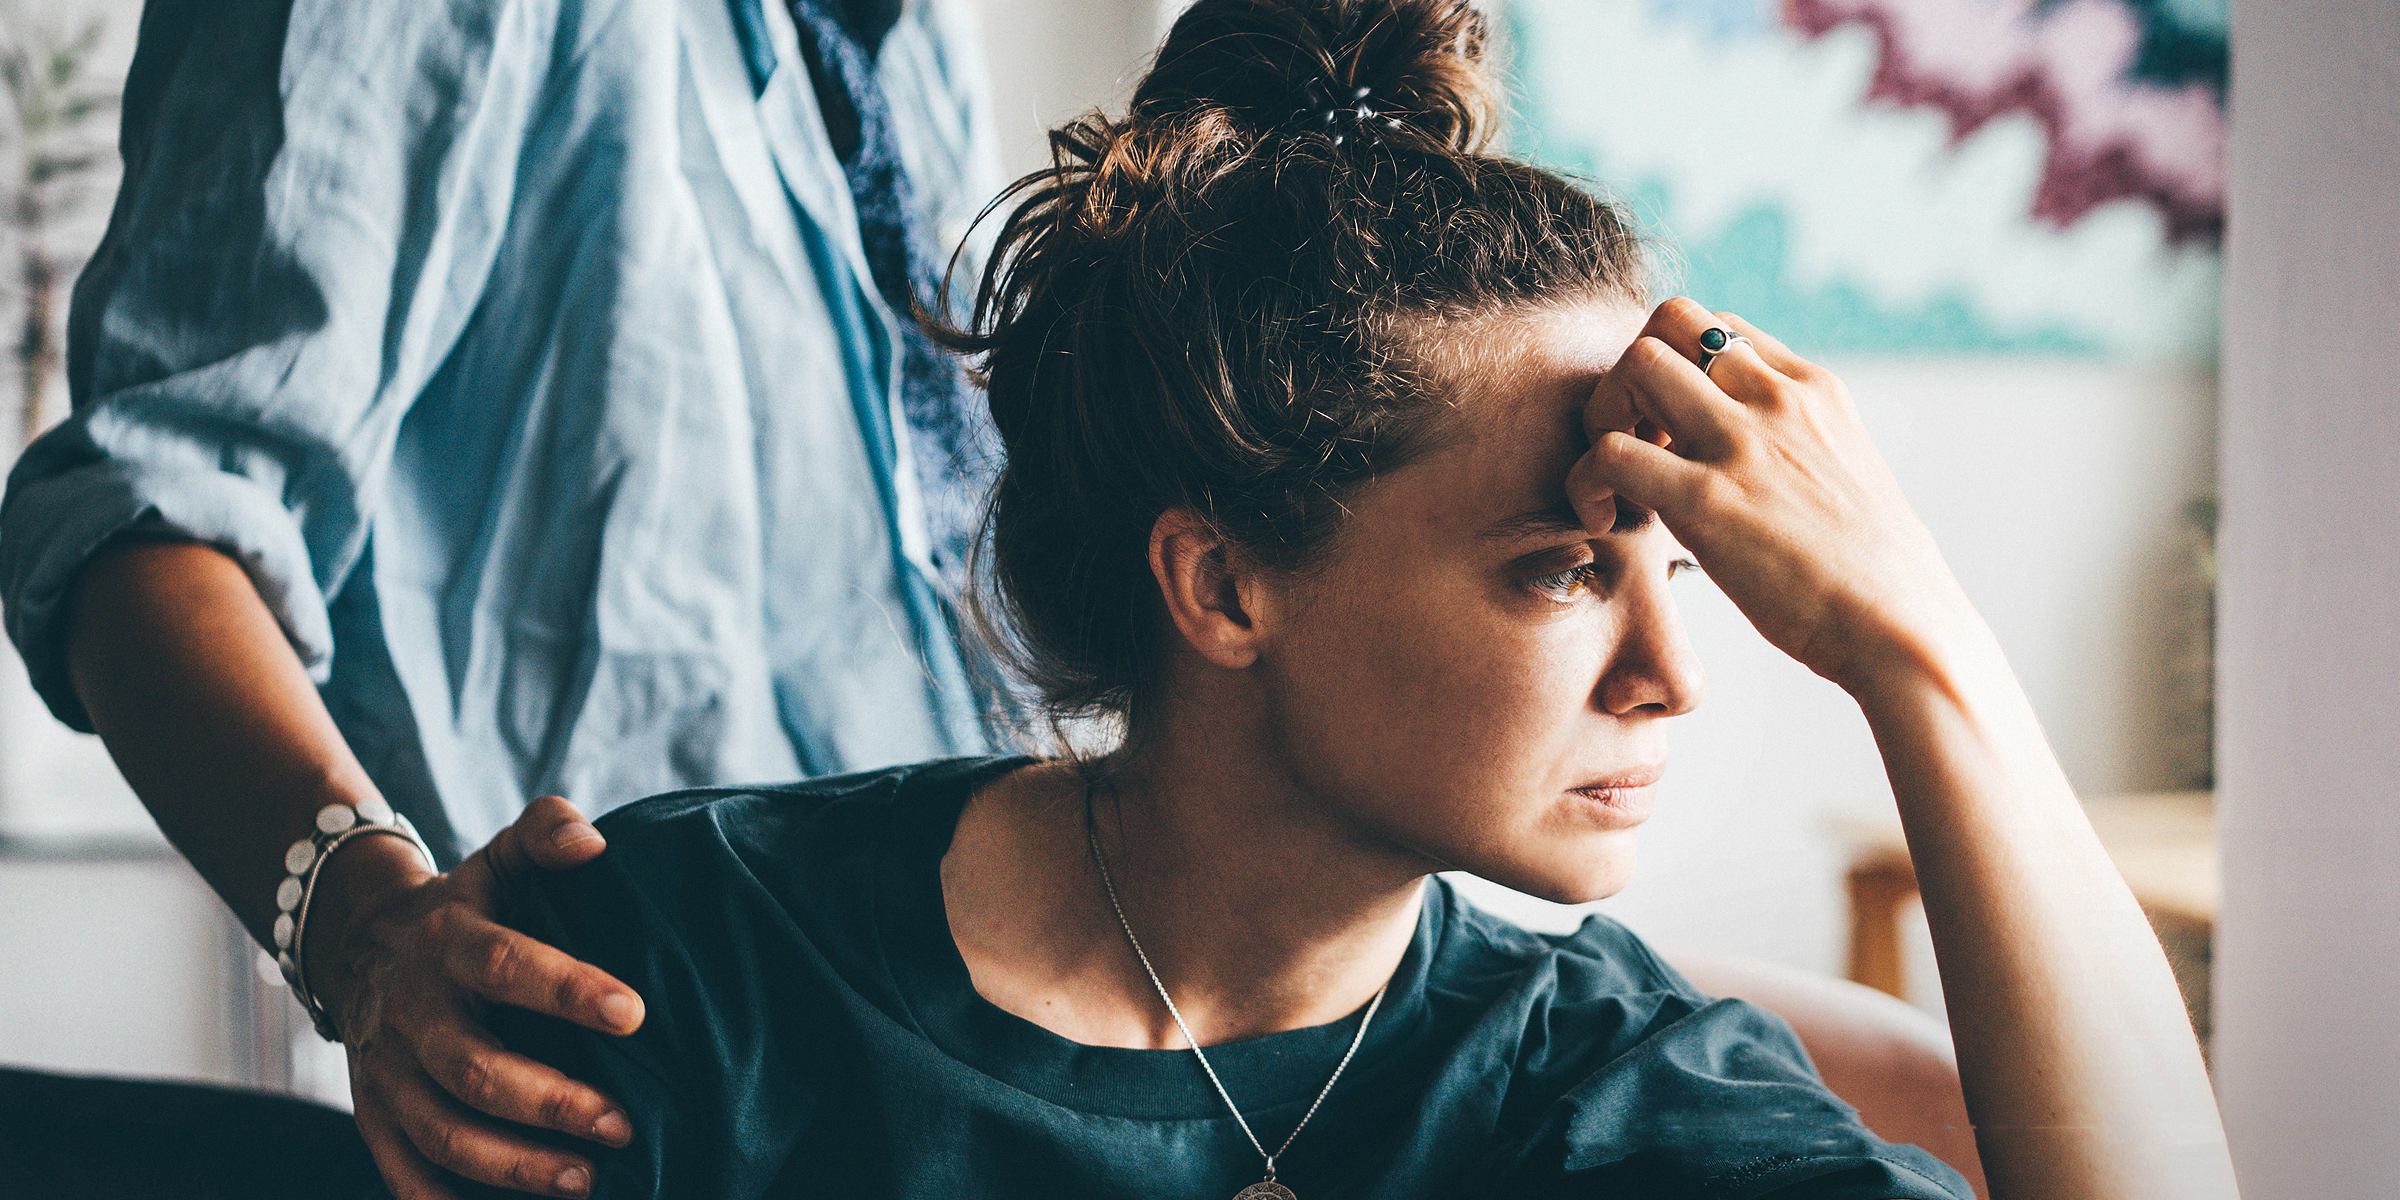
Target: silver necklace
x=1266, y=1189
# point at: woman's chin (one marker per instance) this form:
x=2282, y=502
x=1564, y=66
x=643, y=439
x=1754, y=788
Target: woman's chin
x=1600, y=867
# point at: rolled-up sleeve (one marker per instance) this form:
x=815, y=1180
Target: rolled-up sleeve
x=314, y=194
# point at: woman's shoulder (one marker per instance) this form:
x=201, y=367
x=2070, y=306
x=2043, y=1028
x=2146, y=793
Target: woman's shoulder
x=1623, y=1077
x=1599, y=957
x=785, y=848
x=766, y=818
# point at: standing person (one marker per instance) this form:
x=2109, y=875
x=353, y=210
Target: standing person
x=482, y=398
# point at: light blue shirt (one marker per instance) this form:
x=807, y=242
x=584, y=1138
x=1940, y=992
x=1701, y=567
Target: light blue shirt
x=525, y=354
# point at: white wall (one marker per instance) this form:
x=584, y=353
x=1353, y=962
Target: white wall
x=113, y=955
x=55, y=782
x=2308, y=957
x=1053, y=60
x=124, y=964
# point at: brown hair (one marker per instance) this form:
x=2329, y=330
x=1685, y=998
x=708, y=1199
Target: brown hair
x=1207, y=305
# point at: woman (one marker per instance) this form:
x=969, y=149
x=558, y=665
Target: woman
x=1346, y=478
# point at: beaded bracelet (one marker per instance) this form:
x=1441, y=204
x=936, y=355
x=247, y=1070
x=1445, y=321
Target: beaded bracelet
x=337, y=824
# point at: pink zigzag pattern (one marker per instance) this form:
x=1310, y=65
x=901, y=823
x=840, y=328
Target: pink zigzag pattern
x=2065, y=66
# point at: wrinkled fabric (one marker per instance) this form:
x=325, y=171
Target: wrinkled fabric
x=950, y=430
x=812, y=1031
x=526, y=355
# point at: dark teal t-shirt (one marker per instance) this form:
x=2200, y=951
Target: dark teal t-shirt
x=812, y=1032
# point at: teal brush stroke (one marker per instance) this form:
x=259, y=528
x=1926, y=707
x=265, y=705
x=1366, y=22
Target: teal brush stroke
x=1745, y=267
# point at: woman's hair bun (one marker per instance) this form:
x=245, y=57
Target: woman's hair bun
x=1213, y=305
x=1406, y=67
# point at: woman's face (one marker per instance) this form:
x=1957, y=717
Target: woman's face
x=1472, y=676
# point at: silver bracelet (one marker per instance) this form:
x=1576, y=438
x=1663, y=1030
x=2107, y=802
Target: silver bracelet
x=337, y=825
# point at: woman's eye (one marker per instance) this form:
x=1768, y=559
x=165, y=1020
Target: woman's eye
x=1562, y=585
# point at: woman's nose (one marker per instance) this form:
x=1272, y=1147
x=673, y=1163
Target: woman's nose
x=1653, y=665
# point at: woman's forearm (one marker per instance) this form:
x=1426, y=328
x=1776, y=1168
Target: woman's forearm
x=215, y=723
x=2077, y=1057
x=210, y=715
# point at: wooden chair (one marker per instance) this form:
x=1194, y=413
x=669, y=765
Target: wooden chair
x=2165, y=843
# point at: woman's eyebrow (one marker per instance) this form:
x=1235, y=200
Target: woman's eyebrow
x=1560, y=519
x=1553, y=521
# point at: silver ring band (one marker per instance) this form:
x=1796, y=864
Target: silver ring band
x=1708, y=359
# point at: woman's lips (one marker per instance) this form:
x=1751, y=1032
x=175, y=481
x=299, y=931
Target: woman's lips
x=1627, y=796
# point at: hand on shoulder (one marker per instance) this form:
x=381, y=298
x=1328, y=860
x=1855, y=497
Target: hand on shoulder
x=408, y=960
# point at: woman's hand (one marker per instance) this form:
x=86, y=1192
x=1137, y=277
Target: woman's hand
x=1761, y=468
x=405, y=963
x=1766, y=475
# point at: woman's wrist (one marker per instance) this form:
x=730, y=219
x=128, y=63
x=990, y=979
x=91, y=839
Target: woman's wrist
x=357, y=883
x=1893, y=650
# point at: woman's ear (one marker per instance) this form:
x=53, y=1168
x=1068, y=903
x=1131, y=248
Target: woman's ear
x=1208, y=591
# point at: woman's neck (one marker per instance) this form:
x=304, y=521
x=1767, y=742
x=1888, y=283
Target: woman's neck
x=1260, y=910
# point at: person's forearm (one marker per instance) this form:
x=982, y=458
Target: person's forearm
x=210, y=715
x=2076, y=1055
x=214, y=722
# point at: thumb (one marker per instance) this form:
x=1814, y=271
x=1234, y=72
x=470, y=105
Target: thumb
x=551, y=834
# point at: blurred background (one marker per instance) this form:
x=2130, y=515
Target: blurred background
x=2001, y=221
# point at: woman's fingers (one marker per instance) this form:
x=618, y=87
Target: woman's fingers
x=467, y=1146
x=1776, y=490
x=1592, y=492
x=1622, y=465
x=1742, y=372
x=1667, y=390
x=1770, y=350
x=416, y=1134
x=1679, y=322
x=469, y=1064
x=1658, y=379
x=550, y=834
x=404, y=1170
x=501, y=964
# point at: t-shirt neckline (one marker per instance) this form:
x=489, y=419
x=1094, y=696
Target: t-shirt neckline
x=1280, y=1070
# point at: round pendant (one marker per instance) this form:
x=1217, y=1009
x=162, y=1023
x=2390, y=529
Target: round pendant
x=1267, y=1190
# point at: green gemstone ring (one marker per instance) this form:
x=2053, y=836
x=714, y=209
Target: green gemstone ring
x=1714, y=342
